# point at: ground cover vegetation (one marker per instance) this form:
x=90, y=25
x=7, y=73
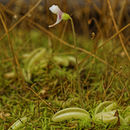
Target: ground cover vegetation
x=65, y=77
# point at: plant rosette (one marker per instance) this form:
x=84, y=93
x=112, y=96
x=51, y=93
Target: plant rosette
x=105, y=112
x=125, y=117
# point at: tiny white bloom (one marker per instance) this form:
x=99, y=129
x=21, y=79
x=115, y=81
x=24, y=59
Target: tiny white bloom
x=60, y=15
x=55, y=9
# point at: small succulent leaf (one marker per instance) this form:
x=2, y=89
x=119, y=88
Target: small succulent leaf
x=32, y=54
x=60, y=60
x=127, y=111
x=19, y=123
x=25, y=75
x=72, y=109
x=72, y=60
x=71, y=113
x=107, y=117
x=101, y=106
x=64, y=60
x=110, y=107
x=127, y=119
x=35, y=58
x=122, y=120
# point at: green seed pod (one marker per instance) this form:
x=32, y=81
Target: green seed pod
x=66, y=16
x=71, y=113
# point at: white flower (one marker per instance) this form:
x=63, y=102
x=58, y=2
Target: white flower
x=60, y=15
x=56, y=10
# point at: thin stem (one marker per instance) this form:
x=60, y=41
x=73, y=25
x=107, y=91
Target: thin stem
x=63, y=32
x=22, y=18
x=77, y=67
x=44, y=101
x=113, y=36
x=10, y=45
x=116, y=28
x=73, y=29
x=36, y=25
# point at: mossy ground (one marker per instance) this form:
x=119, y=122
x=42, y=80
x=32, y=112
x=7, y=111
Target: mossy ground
x=59, y=85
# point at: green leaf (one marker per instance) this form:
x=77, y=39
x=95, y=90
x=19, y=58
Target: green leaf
x=101, y=106
x=110, y=107
x=71, y=113
x=107, y=117
x=19, y=123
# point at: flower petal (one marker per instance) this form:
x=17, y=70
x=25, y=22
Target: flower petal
x=59, y=19
x=55, y=9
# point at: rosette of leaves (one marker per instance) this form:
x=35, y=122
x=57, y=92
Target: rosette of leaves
x=64, y=60
x=36, y=60
x=106, y=112
x=125, y=117
x=40, y=58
